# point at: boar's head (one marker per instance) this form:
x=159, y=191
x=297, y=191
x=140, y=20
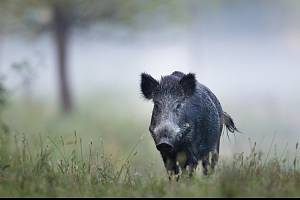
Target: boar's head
x=170, y=126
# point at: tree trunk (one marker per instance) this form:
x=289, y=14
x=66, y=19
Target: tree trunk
x=61, y=36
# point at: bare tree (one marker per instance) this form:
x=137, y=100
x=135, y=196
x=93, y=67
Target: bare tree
x=61, y=29
x=65, y=15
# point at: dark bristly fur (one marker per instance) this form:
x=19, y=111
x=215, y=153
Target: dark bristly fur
x=187, y=121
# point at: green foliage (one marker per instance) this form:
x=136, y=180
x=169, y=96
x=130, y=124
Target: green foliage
x=36, y=15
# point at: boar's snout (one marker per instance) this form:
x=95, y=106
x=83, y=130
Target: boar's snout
x=164, y=145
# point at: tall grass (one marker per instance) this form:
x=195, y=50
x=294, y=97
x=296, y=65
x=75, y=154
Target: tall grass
x=55, y=170
x=107, y=154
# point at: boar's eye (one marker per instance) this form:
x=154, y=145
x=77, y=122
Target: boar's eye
x=178, y=106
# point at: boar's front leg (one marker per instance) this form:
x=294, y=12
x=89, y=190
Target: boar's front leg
x=205, y=164
x=191, y=163
x=191, y=168
x=171, y=167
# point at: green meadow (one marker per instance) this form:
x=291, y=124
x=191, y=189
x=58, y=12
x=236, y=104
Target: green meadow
x=104, y=150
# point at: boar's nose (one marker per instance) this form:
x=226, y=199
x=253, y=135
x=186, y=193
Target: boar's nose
x=164, y=146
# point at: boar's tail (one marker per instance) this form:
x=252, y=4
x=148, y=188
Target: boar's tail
x=229, y=124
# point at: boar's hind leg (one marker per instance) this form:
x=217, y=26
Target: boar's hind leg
x=213, y=144
x=210, y=160
x=214, y=159
x=215, y=155
x=191, y=163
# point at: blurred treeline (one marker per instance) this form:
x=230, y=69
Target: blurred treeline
x=59, y=18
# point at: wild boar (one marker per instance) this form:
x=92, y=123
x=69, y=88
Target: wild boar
x=187, y=121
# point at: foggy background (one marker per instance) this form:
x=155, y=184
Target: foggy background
x=246, y=52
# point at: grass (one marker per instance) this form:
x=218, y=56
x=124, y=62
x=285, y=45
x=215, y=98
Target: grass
x=104, y=154
x=71, y=173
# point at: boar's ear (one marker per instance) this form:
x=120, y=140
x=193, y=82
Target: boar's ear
x=188, y=83
x=148, y=85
